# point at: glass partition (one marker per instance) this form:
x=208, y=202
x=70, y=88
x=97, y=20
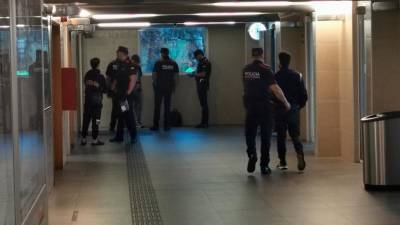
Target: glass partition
x=6, y=147
x=30, y=54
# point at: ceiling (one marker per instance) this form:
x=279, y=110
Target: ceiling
x=177, y=11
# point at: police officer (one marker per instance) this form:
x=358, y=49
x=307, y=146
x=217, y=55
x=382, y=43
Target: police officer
x=259, y=86
x=111, y=73
x=95, y=86
x=164, y=73
x=138, y=92
x=293, y=87
x=123, y=86
x=202, y=76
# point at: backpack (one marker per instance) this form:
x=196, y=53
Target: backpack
x=175, y=118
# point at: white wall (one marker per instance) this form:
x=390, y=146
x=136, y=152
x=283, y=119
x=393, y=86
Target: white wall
x=226, y=53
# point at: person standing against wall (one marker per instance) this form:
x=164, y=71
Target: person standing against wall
x=138, y=93
x=124, y=85
x=202, y=76
x=259, y=86
x=95, y=87
x=111, y=76
x=164, y=73
x=294, y=89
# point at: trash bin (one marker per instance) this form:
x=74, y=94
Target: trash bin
x=381, y=147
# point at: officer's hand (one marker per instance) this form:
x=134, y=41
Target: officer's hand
x=288, y=106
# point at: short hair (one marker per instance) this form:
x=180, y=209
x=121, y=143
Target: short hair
x=123, y=50
x=94, y=63
x=284, y=59
x=164, y=51
x=198, y=52
x=257, y=52
x=136, y=58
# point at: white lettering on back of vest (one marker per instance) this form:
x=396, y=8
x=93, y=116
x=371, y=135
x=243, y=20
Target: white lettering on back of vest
x=252, y=75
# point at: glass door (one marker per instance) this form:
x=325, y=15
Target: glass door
x=7, y=214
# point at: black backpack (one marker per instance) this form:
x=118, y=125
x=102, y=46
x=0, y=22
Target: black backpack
x=175, y=118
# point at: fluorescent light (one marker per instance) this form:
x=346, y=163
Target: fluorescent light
x=208, y=23
x=84, y=13
x=111, y=25
x=253, y=4
x=4, y=27
x=331, y=7
x=229, y=14
x=121, y=16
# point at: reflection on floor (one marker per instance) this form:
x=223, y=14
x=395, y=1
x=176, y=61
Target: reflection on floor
x=200, y=179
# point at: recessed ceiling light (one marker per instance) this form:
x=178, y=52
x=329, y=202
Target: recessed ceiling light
x=208, y=23
x=114, y=25
x=253, y=4
x=84, y=13
x=121, y=16
x=229, y=14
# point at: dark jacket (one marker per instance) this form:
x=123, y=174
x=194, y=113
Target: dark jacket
x=292, y=85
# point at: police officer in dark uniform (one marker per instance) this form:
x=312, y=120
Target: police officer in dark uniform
x=259, y=86
x=95, y=87
x=202, y=76
x=293, y=87
x=123, y=86
x=111, y=73
x=164, y=73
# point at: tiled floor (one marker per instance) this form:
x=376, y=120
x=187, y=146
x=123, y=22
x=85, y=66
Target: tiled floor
x=200, y=179
x=92, y=189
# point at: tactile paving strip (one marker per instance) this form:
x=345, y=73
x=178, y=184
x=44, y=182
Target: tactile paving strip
x=144, y=204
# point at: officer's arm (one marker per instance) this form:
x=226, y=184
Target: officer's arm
x=277, y=91
x=109, y=72
x=132, y=83
x=201, y=74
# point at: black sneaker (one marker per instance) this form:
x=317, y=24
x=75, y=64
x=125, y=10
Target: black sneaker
x=251, y=165
x=265, y=170
x=116, y=140
x=133, y=140
x=282, y=166
x=83, y=142
x=97, y=143
x=167, y=129
x=154, y=128
x=202, y=125
x=301, y=163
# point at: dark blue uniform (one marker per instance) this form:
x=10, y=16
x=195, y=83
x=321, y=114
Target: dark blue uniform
x=257, y=77
x=124, y=71
x=164, y=84
x=203, y=85
x=293, y=87
x=111, y=73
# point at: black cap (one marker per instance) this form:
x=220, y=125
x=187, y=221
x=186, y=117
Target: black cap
x=165, y=51
x=256, y=52
x=123, y=49
x=198, y=52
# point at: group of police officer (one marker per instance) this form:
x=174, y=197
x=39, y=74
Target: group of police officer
x=268, y=99
x=125, y=89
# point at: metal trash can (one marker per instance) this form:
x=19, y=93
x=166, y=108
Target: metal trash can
x=381, y=147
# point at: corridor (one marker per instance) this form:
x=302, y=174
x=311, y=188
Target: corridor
x=192, y=177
